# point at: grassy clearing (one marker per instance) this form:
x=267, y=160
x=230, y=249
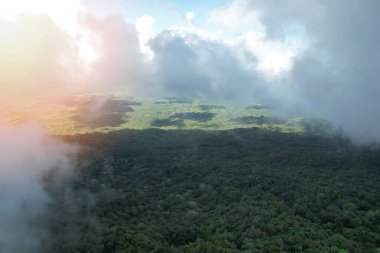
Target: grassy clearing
x=98, y=113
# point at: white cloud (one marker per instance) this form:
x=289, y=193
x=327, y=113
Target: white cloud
x=235, y=15
x=189, y=18
x=273, y=57
x=145, y=32
x=64, y=14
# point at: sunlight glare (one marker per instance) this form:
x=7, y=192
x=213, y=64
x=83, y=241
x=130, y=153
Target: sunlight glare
x=63, y=13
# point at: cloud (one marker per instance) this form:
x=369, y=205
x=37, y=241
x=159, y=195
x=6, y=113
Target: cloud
x=337, y=77
x=44, y=57
x=235, y=15
x=109, y=54
x=324, y=56
x=317, y=58
x=145, y=34
x=33, y=54
x=273, y=57
x=120, y=62
x=189, y=65
x=26, y=153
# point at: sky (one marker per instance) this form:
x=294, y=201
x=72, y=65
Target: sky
x=313, y=57
x=166, y=12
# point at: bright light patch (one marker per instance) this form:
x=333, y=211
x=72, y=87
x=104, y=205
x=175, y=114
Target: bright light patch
x=236, y=15
x=145, y=32
x=62, y=12
x=273, y=58
x=65, y=16
x=87, y=53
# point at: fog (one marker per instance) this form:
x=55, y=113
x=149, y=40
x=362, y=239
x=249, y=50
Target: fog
x=26, y=155
x=337, y=77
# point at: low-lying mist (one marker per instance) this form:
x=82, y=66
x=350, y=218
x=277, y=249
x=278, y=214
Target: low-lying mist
x=27, y=154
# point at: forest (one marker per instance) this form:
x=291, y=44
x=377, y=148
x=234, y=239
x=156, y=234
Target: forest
x=241, y=190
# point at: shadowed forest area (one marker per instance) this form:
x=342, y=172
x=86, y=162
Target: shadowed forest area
x=242, y=190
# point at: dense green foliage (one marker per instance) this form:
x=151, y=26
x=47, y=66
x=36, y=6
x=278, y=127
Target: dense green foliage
x=244, y=190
